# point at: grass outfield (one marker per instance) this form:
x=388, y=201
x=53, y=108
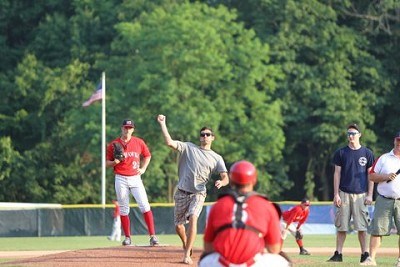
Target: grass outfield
x=310, y=241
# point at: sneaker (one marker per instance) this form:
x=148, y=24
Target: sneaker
x=364, y=256
x=398, y=263
x=304, y=252
x=336, y=257
x=154, y=241
x=127, y=241
x=368, y=262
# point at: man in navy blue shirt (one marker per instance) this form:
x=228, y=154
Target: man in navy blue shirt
x=352, y=191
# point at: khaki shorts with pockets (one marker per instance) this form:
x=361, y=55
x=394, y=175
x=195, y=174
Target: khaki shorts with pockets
x=352, y=207
x=385, y=211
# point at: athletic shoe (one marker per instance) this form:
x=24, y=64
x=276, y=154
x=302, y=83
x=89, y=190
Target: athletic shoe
x=398, y=263
x=368, y=262
x=364, y=256
x=304, y=252
x=154, y=241
x=336, y=257
x=127, y=241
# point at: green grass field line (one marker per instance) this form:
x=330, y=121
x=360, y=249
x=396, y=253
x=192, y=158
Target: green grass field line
x=82, y=242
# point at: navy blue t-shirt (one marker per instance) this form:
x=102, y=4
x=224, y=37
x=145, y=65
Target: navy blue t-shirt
x=354, y=165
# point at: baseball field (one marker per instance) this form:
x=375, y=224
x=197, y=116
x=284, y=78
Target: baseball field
x=98, y=251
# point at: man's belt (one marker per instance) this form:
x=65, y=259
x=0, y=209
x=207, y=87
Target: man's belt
x=391, y=198
x=185, y=192
x=226, y=263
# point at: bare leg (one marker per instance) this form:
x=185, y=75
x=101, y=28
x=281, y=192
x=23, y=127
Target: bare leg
x=374, y=244
x=362, y=238
x=180, y=230
x=340, y=238
x=192, y=232
x=399, y=246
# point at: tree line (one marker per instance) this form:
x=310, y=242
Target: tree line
x=278, y=81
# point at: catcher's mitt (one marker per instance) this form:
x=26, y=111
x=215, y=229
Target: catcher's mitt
x=118, y=151
x=299, y=235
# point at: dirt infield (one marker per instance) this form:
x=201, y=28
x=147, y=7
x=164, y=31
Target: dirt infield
x=170, y=256
x=115, y=256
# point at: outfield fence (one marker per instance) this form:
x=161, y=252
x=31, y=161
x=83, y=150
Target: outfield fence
x=31, y=219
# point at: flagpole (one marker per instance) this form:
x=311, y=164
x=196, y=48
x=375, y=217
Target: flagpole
x=103, y=140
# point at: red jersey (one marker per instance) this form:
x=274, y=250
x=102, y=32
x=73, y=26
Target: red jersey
x=296, y=214
x=240, y=245
x=134, y=149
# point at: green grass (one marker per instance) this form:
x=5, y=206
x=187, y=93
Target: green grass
x=310, y=241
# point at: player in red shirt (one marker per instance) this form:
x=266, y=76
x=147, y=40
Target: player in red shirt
x=128, y=179
x=243, y=227
x=293, y=219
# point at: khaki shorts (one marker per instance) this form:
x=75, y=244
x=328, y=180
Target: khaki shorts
x=187, y=204
x=385, y=210
x=352, y=207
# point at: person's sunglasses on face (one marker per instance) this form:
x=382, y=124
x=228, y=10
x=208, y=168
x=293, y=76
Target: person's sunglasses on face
x=205, y=134
x=351, y=133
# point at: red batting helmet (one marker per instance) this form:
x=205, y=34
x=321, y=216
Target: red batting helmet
x=243, y=172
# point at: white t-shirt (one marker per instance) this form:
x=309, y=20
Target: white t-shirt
x=385, y=164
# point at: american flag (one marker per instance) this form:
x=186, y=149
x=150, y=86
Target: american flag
x=96, y=96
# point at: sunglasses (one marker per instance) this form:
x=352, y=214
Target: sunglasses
x=206, y=134
x=352, y=133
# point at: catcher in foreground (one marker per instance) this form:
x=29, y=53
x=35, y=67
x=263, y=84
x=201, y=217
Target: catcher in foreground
x=243, y=226
x=296, y=215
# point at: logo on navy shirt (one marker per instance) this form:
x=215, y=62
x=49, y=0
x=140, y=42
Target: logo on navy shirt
x=362, y=161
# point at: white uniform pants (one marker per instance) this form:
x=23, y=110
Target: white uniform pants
x=116, y=230
x=126, y=185
x=261, y=260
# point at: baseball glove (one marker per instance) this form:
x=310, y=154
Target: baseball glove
x=118, y=151
x=298, y=235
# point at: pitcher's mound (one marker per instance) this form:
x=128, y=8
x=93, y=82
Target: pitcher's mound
x=162, y=255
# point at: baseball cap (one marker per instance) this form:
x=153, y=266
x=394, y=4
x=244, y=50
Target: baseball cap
x=305, y=201
x=397, y=135
x=354, y=126
x=128, y=123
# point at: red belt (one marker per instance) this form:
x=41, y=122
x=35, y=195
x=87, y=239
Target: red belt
x=226, y=263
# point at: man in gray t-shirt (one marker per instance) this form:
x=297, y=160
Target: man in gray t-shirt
x=195, y=167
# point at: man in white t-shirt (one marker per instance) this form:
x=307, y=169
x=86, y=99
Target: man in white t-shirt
x=385, y=172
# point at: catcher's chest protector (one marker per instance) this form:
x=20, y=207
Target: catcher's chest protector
x=238, y=223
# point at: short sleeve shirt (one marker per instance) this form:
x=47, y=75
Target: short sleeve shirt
x=354, y=168
x=240, y=245
x=296, y=214
x=196, y=166
x=385, y=164
x=134, y=149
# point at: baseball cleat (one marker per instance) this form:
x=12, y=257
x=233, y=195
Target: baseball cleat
x=127, y=241
x=304, y=252
x=337, y=257
x=154, y=241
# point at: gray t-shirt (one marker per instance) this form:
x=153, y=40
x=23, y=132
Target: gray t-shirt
x=196, y=165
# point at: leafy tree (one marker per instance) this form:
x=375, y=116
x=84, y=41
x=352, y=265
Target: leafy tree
x=197, y=66
x=331, y=81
